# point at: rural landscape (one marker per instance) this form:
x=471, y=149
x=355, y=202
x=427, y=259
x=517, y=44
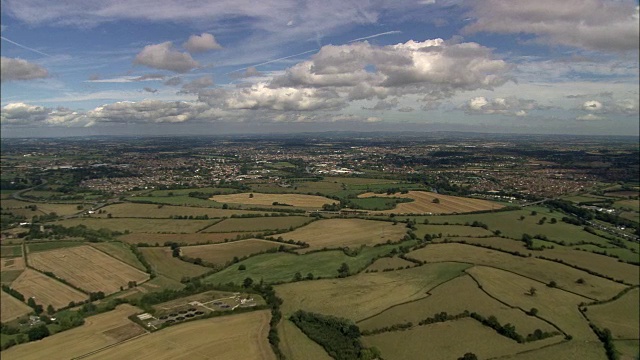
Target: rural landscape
x=320, y=247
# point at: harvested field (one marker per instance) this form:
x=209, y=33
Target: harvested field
x=389, y=263
x=135, y=210
x=163, y=262
x=98, y=332
x=51, y=245
x=339, y=233
x=423, y=203
x=220, y=254
x=541, y=270
x=87, y=268
x=450, y=230
x=259, y=224
x=296, y=345
x=260, y=199
x=454, y=297
x=621, y=316
x=9, y=276
x=242, y=336
x=183, y=239
x=11, y=308
x=9, y=264
x=139, y=225
x=47, y=291
x=119, y=251
x=568, y=350
x=469, y=335
x=365, y=294
x=495, y=242
x=10, y=251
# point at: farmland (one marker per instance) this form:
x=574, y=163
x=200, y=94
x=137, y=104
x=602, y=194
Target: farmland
x=10, y=251
x=186, y=239
x=389, y=263
x=11, y=308
x=87, y=268
x=163, y=263
x=45, y=290
x=424, y=202
x=222, y=253
x=34, y=247
x=621, y=316
x=296, y=345
x=259, y=224
x=260, y=199
x=338, y=233
x=139, y=225
x=119, y=251
x=134, y=210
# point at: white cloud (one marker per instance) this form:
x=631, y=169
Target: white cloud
x=592, y=105
x=163, y=56
x=146, y=111
x=201, y=43
x=13, y=69
x=589, y=117
x=261, y=96
x=511, y=106
x=21, y=114
x=197, y=84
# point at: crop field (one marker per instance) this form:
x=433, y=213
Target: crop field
x=541, y=270
x=33, y=247
x=19, y=207
x=10, y=251
x=234, y=337
x=134, y=210
x=578, y=350
x=178, y=200
x=621, y=316
x=98, y=332
x=119, y=251
x=624, y=254
x=365, y=294
x=296, y=345
x=9, y=264
x=389, y=263
x=185, y=192
x=220, y=254
x=629, y=204
x=454, y=297
x=260, y=199
x=163, y=262
x=140, y=225
x=9, y=276
x=555, y=305
x=450, y=230
x=423, y=203
x=11, y=308
x=628, y=349
x=186, y=239
x=436, y=340
x=87, y=268
x=46, y=290
x=338, y=233
x=599, y=263
x=495, y=242
x=259, y=224
x=283, y=266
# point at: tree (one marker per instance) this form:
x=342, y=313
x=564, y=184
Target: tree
x=242, y=267
x=580, y=281
x=176, y=252
x=247, y=282
x=297, y=276
x=532, y=291
x=251, y=196
x=534, y=213
x=553, y=221
x=343, y=270
x=50, y=309
x=521, y=217
x=533, y=312
x=552, y=284
x=37, y=333
x=468, y=356
x=309, y=276
x=31, y=302
x=436, y=201
x=225, y=206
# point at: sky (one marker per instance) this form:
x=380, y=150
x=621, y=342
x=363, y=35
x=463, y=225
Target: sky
x=178, y=67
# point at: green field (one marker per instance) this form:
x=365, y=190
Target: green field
x=624, y=254
x=136, y=210
x=450, y=230
x=621, y=316
x=10, y=251
x=51, y=245
x=180, y=200
x=220, y=254
x=259, y=224
x=376, y=203
x=119, y=251
x=8, y=276
x=163, y=263
x=185, y=192
x=140, y=225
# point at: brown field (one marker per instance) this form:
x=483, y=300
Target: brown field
x=541, y=270
x=495, y=242
x=599, y=263
x=119, y=251
x=621, y=316
x=338, y=233
x=187, y=239
x=134, y=210
x=448, y=340
x=298, y=200
x=296, y=345
x=139, y=225
x=11, y=308
x=163, y=262
x=389, y=263
x=567, y=350
x=9, y=264
x=233, y=337
x=555, y=305
x=98, y=332
x=454, y=297
x=88, y=268
x=46, y=290
x=423, y=203
x=220, y=254
x=365, y=294
x=631, y=204
x=259, y=224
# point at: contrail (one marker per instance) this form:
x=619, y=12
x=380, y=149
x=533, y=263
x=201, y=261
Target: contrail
x=24, y=47
x=274, y=60
x=376, y=35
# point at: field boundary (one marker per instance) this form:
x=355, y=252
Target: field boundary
x=110, y=346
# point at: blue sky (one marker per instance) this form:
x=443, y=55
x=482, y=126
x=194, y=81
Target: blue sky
x=86, y=67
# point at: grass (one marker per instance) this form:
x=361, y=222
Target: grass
x=624, y=254
x=281, y=267
x=628, y=204
x=296, y=345
x=183, y=192
x=135, y=210
x=377, y=203
x=629, y=349
x=20, y=208
x=259, y=224
x=220, y=254
x=621, y=316
x=34, y=247
x=260, y=199
x=389, y=263
x=450, y=230
x=425, y=202
x=119, y=251
x=9, y=276
x=139, y=225
x=186, y=239
x=10, y=251
x=180, y=200
x=164, y=263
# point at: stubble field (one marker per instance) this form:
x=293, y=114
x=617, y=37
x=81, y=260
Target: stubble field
x=260, y=199
x=11, y=308
x=46, y=290
x=423, y=203
x=220, y=254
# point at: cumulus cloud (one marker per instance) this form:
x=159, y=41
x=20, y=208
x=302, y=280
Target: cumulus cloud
x=592, y=105
x=150, y=90
x=500, y=106
x=13, y=69
x=590, y=24
x=589, y=117
x=201, y=43
x=197, y=85
x=21, y=114
x=174, y=81
x=609, y=105
x=251, y=71
x=164, y=56
x=146, y=111
x=261, y=96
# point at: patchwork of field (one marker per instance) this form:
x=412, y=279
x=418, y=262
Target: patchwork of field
x=389, y=263
x=495, y=242
x=542, y=270
x=19, y=207
x=338, y=233
x=9, y=276
x=365, y=294
x=10, y=264
x=51, y=245
x=629, y=204
x=621, y=316
x=134, y=210
x=220, y=254
x=296, y=345
x=260, y=199
x=259, y=224
x=163, y=263
x=450, y=230
x=423, y=203
x=10, y=251
x=119, y=251
x=12, y=308
x=98, y=332
x=45, y=290
x=139, y=225
x=87, y=268
x=628, y=349
x=234, y=337
x=186, y=239
x=437, y=340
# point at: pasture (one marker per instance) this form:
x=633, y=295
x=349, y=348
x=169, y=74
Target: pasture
x=261, y=199
x=450, y=230
x=163, y=263
x=186, y=239
x=139, y=225
x=296, y=345
x=45, y=290
x=10, y=251
x=135, y=210
x=119, y=251
x=19, y=207
x=621, y=316
x=423, y=202
x=12, y=308
x=574, y=350
x=233, y=337
x=87, y=268
x=220, y=254
x=339, y=233
x=389, y=263
x=259, y=224
x=33, y=247
x=495, y=242
x=10, y=264
x=98, y=332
